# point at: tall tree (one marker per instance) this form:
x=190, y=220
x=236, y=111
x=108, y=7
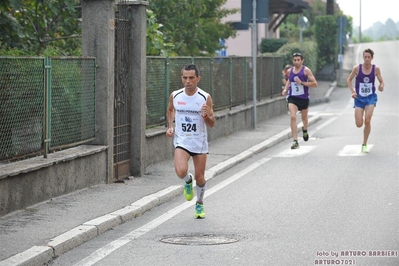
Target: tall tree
x=194, y=27
x=35, y=25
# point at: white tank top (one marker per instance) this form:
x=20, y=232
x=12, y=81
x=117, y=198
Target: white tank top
x=190, y=128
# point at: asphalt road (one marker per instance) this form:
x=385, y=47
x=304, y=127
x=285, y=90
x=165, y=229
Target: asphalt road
x=325, y=203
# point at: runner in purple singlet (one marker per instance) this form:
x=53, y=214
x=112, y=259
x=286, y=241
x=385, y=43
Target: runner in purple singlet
x=365, y=98
x=298, y=83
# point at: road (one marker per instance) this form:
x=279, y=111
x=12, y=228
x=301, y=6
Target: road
x=325, y=203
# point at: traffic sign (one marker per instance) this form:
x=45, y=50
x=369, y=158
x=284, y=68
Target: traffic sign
x=262, y=11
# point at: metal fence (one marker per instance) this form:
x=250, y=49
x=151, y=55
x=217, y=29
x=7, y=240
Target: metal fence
x=45, y=104
x=229, y=80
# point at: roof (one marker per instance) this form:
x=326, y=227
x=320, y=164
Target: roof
x=283, y=8
x=287, y=6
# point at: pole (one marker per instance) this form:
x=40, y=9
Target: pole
x=360, y=22
x=254, y=52
x=300, y=34
x=340, y=58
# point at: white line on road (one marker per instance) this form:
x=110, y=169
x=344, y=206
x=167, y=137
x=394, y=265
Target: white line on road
x=296, y=152
x=353, y=150
x=101, y=253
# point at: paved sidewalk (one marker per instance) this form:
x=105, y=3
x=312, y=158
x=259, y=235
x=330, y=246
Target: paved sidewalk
x=37, y=234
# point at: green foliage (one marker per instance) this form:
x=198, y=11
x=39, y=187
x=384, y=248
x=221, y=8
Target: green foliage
x=326, y=38
x=194, y=27
x=35, y=25
x=289, y=31
x=155, y=39
x=308, y=49
x=5, y=51
x=271, y=45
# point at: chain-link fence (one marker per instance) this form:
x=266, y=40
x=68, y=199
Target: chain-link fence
x=45, y=104
x=48, y=104
x=229, y=80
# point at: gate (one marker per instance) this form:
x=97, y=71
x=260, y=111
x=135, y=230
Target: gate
x=122, y=124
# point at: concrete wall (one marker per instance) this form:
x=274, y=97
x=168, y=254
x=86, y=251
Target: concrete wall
x=38, y=179
x=34, y=180
x=138, y=87
x=98, y=40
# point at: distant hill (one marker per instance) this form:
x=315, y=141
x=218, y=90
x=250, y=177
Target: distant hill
x=383, y=31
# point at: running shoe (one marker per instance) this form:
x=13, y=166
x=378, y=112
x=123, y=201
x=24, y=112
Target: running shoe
x=305, y=135
x=199, y=211
x=364, y=148
x=188, y=189
x=295, y=145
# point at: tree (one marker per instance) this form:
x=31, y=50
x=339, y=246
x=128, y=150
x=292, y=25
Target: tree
x=36, y=25
x=330, y=7
x=326, y=36
x=155, y=39
x=194, y=27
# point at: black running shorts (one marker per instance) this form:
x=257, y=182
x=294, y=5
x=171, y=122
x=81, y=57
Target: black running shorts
x=302, y=104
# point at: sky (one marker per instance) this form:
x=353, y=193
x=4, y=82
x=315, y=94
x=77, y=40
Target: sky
x=372, y=11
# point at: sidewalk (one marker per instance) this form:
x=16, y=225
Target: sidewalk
x=37, y=234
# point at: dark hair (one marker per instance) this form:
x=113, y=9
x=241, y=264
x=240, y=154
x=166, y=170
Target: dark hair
x=368, y=50
x=297, y=54
x=191, y=66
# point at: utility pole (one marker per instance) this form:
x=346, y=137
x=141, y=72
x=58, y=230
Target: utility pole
x=253, y=14
x=360, y=22
x=254, y=54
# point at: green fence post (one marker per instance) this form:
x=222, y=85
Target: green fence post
x=211, y=76
x=167, y=86
x=47, y=105
x=274, y=70
x=260, y=69
x=231, y=81
x=245, y=65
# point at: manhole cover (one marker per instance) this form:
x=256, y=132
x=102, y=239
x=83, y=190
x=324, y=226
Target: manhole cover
x=203, y=239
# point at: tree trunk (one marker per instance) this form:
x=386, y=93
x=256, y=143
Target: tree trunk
x=330, y=7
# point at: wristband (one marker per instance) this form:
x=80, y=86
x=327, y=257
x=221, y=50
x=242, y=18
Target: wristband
x=205, y=117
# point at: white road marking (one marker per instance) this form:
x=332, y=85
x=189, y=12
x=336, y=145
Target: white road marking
x=295, y=153
x=353, y=150
x=101, y=253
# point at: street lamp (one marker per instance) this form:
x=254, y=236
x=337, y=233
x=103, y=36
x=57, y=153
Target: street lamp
x=303, y=24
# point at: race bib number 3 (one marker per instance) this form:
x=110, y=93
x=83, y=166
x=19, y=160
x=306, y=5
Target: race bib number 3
x=297, y=89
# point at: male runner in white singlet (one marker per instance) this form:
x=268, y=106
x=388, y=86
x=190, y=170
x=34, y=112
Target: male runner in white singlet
x=191, y=110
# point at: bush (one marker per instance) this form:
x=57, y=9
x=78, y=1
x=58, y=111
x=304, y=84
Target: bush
x=308, y=49
x=326, y=37
x=271, y=45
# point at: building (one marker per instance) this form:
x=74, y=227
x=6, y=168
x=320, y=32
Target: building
x=241, y=45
